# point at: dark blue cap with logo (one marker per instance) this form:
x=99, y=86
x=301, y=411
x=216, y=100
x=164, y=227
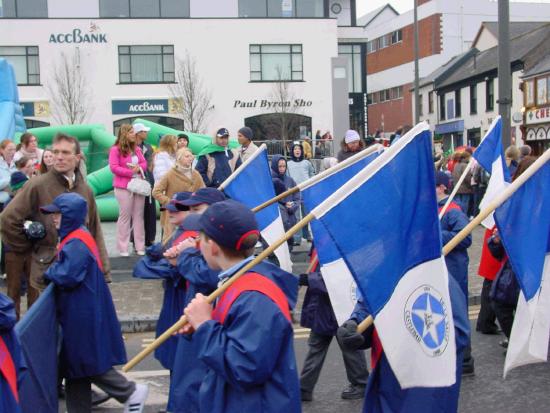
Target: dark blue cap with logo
x=175, y=204
x=204, y=196
x=222, y=132
x=441, y=178
x=228, y=223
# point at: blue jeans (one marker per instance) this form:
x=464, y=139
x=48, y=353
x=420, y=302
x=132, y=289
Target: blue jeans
x=300, y=213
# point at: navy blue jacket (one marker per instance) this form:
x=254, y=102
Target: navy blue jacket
x=222, y=169
x=452, y=222
x=317, y=312
x=8, y=403
x=384, y=394
x=250, y=358
x=288, y=214
x=91, y=338
x=154, y=266
x=188, y=370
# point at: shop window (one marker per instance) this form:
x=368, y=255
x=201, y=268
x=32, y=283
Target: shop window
x=490, y=95
x=542, y=91
x=352, y=52
x=267, y=127
x=276, y=62
x=143, y=8
x=529, y=92
x=24, y=8
x=25, y=62
x=31, y=123
x=146, y=64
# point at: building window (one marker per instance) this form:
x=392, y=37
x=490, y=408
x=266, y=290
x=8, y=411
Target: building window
x=383, y=42
x=276, y=62
x=442, y=107
x=396, y=92
x=24, y=8
x=146, y=64
x=490, y=95
x=352, y=52
x=396, y=36
x=281, y=8
x=458, y=104
x=431, y=102
x=372, y=46
x=529, y=93
x=420, y=106
x=473, y=99
x=143, y=8
x=25, y=62
x=542, y=91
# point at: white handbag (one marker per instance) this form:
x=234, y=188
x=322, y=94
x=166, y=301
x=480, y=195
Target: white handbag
x=139, y=185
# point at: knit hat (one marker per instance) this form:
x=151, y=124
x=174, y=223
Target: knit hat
x=246, y=132
x=351, y=136
x=17, y=180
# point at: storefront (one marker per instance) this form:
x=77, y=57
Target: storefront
x=537, y=129
x=36, y=114
x=451, y=134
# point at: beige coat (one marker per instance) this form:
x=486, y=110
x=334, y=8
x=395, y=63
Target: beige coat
x=174, y=181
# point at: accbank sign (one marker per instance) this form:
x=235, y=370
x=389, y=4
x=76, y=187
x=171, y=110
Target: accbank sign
x=76, y=36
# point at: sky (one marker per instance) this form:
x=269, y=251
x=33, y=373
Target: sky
x=364, y=6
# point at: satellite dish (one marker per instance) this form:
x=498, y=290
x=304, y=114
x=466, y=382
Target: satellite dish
x=517, y=117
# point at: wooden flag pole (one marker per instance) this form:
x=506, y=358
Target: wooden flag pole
x=210, y=299
x=314, y=179
x=494, y=204
x=455, y=189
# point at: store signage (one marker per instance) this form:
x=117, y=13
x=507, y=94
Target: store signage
x=270, y=104
x=36, y=109
x=541, y=115
x=77, y=36
x=449, y=127
x=145, y=106
x=538, y=134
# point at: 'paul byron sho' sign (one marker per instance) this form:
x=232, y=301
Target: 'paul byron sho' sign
x=270, y=104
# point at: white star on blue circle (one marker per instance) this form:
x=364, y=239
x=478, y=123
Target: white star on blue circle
x=428, y=317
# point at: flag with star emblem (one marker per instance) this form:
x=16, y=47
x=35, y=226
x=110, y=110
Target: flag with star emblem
x=525, y=234
x=385, y=226
x=251, y=184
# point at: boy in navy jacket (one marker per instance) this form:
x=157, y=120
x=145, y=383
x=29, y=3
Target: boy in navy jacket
x=91, y=339
x=246, y=342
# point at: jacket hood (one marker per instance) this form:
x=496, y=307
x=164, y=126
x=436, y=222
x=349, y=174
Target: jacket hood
x=275, y=166
x=287, y=282
x=301, y=157
x=7, y=314
x=73, y=209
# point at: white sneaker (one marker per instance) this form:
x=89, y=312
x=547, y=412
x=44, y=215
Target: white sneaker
x=140, y=253
x=136, y=402
x=124, y=254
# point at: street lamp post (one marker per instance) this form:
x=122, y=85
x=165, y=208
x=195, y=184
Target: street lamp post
x=504, y=74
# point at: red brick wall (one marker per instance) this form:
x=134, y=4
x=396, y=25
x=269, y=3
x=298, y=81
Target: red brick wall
x=396, y=112
x=429, y=36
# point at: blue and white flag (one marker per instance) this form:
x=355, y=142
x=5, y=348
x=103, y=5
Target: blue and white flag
x=38, y=334
x=252, y=185
x=384, y=223
x=523, y=222
x=339, y=282
x=490, y=155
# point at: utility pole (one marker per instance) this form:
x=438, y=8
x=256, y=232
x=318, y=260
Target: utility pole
x=504, y=76
x=416, y=75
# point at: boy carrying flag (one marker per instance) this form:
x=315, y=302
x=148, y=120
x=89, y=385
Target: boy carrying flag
x=92, y=342
x=246, y=341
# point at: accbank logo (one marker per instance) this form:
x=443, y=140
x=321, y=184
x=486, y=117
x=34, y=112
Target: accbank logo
x=76, y=36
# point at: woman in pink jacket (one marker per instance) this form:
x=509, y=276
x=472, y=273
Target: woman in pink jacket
x=126, y=161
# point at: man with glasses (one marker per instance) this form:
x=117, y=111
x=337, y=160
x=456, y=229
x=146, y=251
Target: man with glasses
x=219, y=161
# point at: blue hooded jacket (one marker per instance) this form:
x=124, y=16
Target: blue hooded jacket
x=154, y=266
x=92, y=341
x=8, y=403
x=188, y=369
x=452, y=222
x=250, y=358
x=384, y=394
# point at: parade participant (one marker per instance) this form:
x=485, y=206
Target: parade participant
x=41, y=190
x=91, y=342
x=464, y=195
x=246, y=342
x=384, y=394
x=318, y=315
x=220, y=162
x=452, y=222
x=155, y=266
x=245, y=136
x=192, y=267
x=12, y=364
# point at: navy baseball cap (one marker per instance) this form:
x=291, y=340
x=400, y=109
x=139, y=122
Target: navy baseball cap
x=222, y=132
x=227, y=222
x=204, y=196
x=175, y=204
x=441, y=178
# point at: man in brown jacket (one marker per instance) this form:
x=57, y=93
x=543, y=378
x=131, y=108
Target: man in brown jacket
x=41, y=190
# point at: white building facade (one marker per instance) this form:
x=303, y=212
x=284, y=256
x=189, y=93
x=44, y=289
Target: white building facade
x=129, y=51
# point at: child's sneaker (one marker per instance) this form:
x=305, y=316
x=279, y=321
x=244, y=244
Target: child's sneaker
x=136, y=402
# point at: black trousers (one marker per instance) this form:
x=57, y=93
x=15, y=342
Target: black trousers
x=486, y=317
x=354, y=362
x=150, y=220
x=505, y=316
x=78, y=392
